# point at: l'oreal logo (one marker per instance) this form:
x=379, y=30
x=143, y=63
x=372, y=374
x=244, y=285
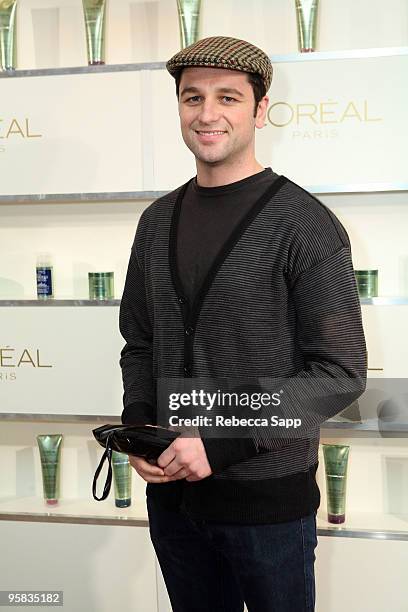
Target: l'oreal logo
x=13, y=358
x=16, y=128
x=281, y=114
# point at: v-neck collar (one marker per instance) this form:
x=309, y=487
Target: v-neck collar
x=192, y=313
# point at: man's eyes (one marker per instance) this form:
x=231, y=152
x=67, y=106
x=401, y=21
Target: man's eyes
x=194, y=97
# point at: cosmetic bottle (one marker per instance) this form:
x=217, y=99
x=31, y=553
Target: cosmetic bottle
x=50, y=452
x=336, y=462
x=44, y=273
x=101, y=286
x=122, y=476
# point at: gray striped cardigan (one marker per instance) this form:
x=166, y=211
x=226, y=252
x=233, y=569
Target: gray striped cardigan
x=280, y=302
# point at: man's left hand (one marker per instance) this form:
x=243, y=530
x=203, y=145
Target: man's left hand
x=185, y=458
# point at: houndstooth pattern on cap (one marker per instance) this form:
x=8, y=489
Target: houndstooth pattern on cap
x=224, y=52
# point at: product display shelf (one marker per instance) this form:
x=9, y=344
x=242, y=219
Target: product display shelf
x=111, y=196
x=385, y=301
x=88, y=511
x=377, y=301
x=375, y=525
x=60, y=418
x=367, y=426
x=54, y=302
x=367, y=525
x=158, y=65
x=108, y=196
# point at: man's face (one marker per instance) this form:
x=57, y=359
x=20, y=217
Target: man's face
x=218, y=100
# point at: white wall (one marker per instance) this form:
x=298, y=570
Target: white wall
x=100, y=568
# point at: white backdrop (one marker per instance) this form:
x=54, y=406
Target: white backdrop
x=83, y=133
x=60, y=360
x=119, y=131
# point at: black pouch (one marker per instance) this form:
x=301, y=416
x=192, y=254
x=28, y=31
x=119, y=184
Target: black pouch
x=137, y=440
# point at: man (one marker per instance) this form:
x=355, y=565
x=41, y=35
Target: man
x=237, y=273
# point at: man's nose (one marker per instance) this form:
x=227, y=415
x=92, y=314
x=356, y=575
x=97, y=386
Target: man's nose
x=209, y=111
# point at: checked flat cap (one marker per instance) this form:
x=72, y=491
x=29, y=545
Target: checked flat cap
x=223, y=52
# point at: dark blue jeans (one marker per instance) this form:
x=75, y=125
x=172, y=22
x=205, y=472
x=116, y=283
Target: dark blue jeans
x=216, y=567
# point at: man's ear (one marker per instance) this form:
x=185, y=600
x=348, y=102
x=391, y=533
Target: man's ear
x=260, y=119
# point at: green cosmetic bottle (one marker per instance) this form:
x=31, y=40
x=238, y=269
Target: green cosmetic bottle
x=336, y=462
x=189, y=17
x=50, y=453
x=306, y=20
x=94, y=14
x=8, y=10
x=367, y=283
x=101, y=286
x=122, y=476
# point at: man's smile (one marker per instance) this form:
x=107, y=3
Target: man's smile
x=209, y=136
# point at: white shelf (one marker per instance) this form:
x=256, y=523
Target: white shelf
x=58, y=302
x=89, y=197
x=385, y=301
x=34, y=509
x=60, y=418
x=367, y=425
x=157, y=65
x=74, y=511
x=377, y=301
x=365, y=525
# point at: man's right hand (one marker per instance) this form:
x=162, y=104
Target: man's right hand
x=149, y=472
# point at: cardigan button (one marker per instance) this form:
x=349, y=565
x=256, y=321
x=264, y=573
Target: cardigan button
x=189, y=330
x=181, y=300
x=187, y=370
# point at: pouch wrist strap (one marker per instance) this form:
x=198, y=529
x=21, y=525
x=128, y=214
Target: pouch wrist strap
x=106, y=455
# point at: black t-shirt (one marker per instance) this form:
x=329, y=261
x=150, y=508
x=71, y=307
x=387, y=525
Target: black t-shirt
x=208, y=216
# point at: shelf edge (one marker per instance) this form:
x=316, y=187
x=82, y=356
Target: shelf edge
x=139, y=522
x=82, y=520
x=55, y=302
x=295, y=56
x=61, y=418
